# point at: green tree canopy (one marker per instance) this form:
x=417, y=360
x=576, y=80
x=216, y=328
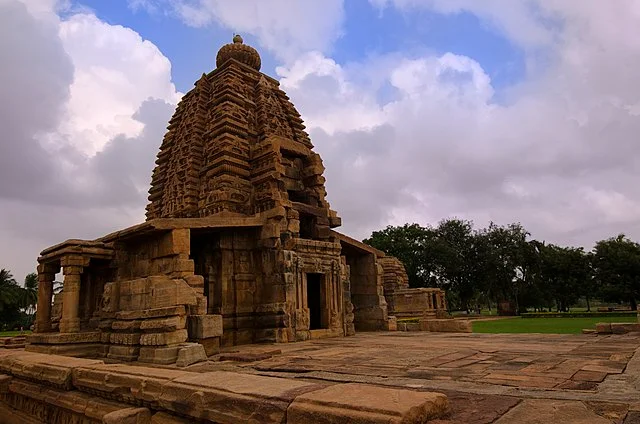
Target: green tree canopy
x=616, y=268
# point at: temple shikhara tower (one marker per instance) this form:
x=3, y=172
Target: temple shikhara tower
x=238, y=244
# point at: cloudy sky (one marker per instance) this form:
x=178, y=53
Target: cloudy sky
x=503, y=110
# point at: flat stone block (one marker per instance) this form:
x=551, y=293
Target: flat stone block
x=190, y=353
x=125, y=338
x=551, y=411
x=358, y=403
x=5, y=380
x=152, y=313
x=78, y=350
x=211, y=346
x=392, y=324
x=163, y=339
x=48, y=369
x=229, y=397
x=62, y=338
x=624, y=327
x=164, y=418
x=446, y=325
x=128, y=416
x=164, y=324
x=123, y=353
x=159, y=355
x=195, y=281
x=412, y=326
x=125, y=383
x=205, y=326
x=603, y=328
x=85, y=407
x=126, y=325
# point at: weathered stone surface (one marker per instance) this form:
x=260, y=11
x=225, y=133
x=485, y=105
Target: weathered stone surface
x=29, y=402
x=164, y=418
x=128, y=416
x=64, y=338
x=211, y=346
x=79, y=350
x=228, y=397
x=624, y=327
x=359, y=403
x=162, y=339
x=5, y=380
x=603, y=328
x=123, y=353
x=152, y=313
x=551, y=411
x=49, y=369
x=164, y=324
x=125, y=338
x=446, y=325
x=205, y=326
x=126, y=325
x=190, y=353
x=125, y=383
x=159, y=355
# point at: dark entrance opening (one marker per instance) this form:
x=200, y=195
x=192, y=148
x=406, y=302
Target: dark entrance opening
x=306, y=226
x=315, y=301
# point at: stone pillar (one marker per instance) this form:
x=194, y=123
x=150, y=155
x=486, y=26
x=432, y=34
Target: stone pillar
x=46, y=275
x=72, y=269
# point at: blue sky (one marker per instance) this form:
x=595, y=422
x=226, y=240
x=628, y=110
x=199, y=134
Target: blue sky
x=396, y=100
x=366, y=32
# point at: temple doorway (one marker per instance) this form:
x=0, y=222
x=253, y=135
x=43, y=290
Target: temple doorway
x=316, y=301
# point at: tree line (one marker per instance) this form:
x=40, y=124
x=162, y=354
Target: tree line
x=501, y=265
x=17, y=304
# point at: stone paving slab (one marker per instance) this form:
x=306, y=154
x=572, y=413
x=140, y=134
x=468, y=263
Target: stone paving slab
x=565, y=373
x=364, y=404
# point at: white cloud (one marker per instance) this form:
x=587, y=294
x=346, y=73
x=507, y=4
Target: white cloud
x=285, y=27
x=561, y=156
x=115, y=65
x=84, y=107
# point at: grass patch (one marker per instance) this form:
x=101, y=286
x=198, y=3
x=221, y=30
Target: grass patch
x=574, y=314
x=542, y=325
x=14, y=333
x=409, y=320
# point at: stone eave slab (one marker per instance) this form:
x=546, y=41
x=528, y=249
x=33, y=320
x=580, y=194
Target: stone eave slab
x=358, y=244
x=167, y=224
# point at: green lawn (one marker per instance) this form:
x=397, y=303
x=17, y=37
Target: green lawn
x=13, y=333
x=542, y=325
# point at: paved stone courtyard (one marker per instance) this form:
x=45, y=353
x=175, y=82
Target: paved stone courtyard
x=502, y=378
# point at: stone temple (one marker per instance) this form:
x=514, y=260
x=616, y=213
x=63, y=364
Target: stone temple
x=238, y=245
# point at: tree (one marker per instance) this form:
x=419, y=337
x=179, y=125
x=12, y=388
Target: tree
x=9, y=290
x=616, y=268
x=455, y=258
x=30, y=292
x=410, y=244
x=503, y=252
x=566, y=271
x=10, y=296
